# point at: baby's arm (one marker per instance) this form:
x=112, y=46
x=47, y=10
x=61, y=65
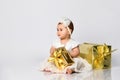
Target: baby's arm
x=52, y=49
x=75, y=52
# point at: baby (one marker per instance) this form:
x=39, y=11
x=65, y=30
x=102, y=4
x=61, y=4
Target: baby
x=65, y=28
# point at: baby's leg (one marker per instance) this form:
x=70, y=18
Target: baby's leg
x=69, y=71
x=75, y=67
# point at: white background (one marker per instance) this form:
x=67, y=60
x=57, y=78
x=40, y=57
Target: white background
x=28, y=27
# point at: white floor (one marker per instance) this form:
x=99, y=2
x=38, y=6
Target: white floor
x=30, y=71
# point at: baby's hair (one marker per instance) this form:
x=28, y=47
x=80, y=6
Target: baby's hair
x=71, y=26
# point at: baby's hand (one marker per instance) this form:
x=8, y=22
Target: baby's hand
x=52, y=49
x=75, y=52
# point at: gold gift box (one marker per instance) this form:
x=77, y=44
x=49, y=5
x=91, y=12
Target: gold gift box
x=61, y=58
x=99, y=56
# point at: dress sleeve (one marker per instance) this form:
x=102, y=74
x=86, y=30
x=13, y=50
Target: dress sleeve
x=74, y=44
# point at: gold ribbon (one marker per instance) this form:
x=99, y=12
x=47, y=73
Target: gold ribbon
x=100, y=52
x=57, y=59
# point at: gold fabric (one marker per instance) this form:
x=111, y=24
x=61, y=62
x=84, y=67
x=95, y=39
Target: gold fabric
x=61, y=58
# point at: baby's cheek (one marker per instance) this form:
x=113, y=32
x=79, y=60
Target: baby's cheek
x=64, y=33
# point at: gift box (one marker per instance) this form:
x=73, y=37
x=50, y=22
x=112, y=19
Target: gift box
x=98, y=55
x=61, y=58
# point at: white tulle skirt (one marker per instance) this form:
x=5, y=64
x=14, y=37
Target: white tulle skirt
x=79, y=65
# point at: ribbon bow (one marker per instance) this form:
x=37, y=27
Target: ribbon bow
x=57, y=59
x=102, y=51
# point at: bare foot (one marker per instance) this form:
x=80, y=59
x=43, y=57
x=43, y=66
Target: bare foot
x=69, y=71
x=46, y=70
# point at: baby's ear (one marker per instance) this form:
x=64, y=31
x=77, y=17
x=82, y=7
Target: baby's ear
x=71, y=31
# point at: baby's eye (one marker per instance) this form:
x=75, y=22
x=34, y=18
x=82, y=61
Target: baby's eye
x=57, y=29
x=60, y=29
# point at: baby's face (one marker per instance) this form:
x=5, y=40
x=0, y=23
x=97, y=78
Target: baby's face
x=62, y=31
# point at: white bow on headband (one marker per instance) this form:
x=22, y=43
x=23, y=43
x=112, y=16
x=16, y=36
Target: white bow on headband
x=66, y=22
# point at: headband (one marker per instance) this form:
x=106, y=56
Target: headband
x=66, y=22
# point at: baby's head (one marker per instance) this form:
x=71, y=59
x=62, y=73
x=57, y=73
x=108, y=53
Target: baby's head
x=65, y=27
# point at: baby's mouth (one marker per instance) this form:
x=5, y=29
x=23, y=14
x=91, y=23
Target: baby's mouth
x=59, y=35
